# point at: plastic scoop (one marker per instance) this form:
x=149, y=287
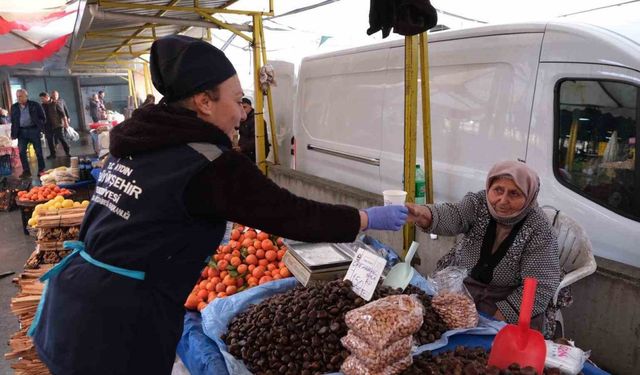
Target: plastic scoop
x=401, y=274
x=520, y=344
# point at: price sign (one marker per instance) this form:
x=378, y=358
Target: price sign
x=365, y=272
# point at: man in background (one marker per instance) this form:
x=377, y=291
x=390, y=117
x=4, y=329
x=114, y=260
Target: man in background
x=94, y=103
x=55, y=124
x=27, y=122
x=247, y=130
x=102, y=108
x=55, y=97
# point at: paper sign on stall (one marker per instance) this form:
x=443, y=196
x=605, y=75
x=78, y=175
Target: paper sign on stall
x=365, y=272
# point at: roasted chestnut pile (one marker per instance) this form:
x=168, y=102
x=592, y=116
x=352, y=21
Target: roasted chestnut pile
x=465, y=361
x=299, y=332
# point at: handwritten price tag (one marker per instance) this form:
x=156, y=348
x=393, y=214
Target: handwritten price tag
x=364, y=272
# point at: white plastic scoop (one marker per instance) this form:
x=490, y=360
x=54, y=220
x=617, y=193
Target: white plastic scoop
x=401, y=274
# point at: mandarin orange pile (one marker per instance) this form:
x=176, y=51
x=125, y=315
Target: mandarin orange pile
x=249, y=259
x=42, y=193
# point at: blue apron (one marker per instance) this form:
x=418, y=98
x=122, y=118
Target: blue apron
x=78, y=249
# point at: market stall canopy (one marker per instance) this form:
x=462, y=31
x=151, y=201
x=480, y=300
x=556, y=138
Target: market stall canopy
x=114, y=34
x=33, y=31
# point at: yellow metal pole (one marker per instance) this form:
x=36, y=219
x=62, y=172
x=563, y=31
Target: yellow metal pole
x=132, y=87
x=411, y=48
x=147, y=79
x=259, y=105
x=426, y=115
x=573, y=139
x=272, y=116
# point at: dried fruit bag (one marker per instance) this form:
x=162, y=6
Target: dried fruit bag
x=376, y=359
x=452, y=301
x=386, y=320
x=353, y=366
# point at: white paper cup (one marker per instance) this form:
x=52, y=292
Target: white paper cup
x=394, y=197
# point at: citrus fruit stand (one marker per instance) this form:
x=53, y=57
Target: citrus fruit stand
x=53, y=221
x=243, y=329
x=28, y=200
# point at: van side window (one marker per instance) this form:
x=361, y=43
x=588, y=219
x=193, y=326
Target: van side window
x=596, y=149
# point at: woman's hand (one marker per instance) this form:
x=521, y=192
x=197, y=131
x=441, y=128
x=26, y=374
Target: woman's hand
x=420, y=215
x=498, y=315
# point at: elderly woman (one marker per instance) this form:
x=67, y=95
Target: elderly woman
x=507, y=237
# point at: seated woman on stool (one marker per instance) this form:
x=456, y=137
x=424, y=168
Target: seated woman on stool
x=506, y=238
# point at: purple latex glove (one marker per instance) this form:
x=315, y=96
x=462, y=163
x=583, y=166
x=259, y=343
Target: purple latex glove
x=386, y=217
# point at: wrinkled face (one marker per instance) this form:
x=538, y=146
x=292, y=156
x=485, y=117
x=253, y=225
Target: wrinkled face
x=226, y=112
x=22, y=97
x=246, y=107
x=505, y=197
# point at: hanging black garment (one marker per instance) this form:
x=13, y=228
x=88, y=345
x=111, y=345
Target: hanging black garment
x=483, y=270
x=381, y=15
x=414, y=17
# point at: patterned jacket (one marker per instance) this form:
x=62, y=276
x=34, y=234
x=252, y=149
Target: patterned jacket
x=534, y=251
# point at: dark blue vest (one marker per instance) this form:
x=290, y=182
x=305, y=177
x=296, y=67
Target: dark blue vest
x=98, y=322
x=137, y=218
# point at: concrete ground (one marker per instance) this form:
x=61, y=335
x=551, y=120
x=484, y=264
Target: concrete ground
x=15, y=248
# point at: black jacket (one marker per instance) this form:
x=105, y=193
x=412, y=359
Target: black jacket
x=247, y=142
x=35, y=111
x=232, y=187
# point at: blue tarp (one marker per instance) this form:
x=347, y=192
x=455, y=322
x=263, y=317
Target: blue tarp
x=203, y=351
x=201, y=355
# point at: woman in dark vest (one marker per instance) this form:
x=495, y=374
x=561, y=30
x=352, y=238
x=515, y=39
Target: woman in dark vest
x=115, y=305
x=506, y=238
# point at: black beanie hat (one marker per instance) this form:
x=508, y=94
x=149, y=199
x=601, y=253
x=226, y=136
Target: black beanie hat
x=182, y=66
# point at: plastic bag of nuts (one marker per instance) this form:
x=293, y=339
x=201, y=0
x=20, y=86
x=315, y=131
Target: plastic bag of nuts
x=375, y=359
x=353, y=366
x=386, y=320
x=452, y=301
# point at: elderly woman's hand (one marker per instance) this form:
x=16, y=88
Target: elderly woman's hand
x=420, y=215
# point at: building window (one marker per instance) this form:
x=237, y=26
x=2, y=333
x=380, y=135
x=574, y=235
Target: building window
x=596, y=149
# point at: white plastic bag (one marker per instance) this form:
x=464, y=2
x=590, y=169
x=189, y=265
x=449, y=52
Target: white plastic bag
x=568, y=359
x=71, y=134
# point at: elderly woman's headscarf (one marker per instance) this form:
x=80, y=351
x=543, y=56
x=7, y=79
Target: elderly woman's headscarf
x=525, y=179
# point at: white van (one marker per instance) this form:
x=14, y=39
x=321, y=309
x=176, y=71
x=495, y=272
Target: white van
x=527, y=92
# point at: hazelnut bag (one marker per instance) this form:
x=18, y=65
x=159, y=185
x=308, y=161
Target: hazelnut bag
x=376, y=359
x=353, y=366
x=452, y=301
x=386, y=320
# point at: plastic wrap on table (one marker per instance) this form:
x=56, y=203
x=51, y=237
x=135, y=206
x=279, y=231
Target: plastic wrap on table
x=376, y=359
x=452, y=301
x=479, y=336
x=199, y=353
x=217, y=315
x=353, y=366
x=386, y=320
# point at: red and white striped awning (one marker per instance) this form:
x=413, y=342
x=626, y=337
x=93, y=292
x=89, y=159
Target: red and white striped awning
x=32, y=31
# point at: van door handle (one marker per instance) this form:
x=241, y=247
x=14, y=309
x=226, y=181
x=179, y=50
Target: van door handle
x=345, y=155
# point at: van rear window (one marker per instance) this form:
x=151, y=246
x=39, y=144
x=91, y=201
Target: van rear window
x=596, y=148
